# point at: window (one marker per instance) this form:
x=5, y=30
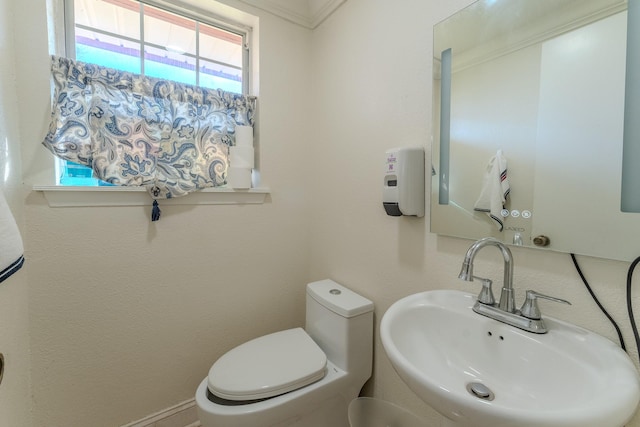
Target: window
x=141, y=38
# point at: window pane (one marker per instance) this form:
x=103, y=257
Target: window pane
x=114, y=16
x=108, y=51
x=219, y=45
x=169, y=65
x=166, y=29
x=216, y=76
x=75, y=174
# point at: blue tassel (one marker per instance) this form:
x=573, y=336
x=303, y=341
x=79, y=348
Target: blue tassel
x=155, y=212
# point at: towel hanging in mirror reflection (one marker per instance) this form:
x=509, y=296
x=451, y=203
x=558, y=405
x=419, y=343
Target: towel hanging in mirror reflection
x=495, y=189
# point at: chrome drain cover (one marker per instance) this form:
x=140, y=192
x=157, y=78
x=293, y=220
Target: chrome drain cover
x=480, y=391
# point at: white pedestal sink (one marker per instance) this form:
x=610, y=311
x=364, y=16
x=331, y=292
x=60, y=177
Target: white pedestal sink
x=479, y=372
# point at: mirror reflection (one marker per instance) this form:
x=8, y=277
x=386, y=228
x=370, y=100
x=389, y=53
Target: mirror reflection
x=539, y=86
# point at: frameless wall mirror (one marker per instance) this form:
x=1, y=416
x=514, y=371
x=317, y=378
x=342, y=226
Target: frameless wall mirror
x=542, y=81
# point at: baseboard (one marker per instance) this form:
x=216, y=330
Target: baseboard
x=181, y=415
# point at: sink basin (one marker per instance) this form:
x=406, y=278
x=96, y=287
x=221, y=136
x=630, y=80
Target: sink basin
x=479, y=372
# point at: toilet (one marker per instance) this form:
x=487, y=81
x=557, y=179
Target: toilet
x=297, y=377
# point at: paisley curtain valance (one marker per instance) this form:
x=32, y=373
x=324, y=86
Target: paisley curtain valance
x=132, y=130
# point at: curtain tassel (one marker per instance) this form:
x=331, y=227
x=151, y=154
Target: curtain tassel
x=155, y=212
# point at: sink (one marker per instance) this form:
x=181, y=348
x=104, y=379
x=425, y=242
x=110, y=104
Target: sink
x=479, y=372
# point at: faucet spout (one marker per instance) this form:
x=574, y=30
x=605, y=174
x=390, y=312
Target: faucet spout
x=507, y=299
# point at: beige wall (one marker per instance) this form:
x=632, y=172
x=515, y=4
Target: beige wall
x=125, y=316
x=372, y=92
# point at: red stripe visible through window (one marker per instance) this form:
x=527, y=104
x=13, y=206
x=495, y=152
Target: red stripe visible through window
x=177, y=20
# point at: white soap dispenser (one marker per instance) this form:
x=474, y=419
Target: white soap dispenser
x=403, y=191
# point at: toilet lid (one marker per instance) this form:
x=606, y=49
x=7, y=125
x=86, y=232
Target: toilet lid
x=268, y=366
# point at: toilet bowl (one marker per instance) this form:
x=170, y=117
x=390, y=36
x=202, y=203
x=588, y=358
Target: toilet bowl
x=297, y=377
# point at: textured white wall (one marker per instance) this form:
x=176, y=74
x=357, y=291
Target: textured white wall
x=15, y=402
x=372, y=91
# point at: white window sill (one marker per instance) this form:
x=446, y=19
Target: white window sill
x=68, y=196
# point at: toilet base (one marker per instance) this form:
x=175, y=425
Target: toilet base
x=321, y=404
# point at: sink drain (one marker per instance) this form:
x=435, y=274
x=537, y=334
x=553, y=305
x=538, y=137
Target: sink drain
x=480, y=391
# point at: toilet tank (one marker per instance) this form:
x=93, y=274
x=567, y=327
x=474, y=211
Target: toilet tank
x=341, y=322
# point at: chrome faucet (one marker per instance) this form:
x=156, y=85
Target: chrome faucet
x=528, y=317
x=507, y=300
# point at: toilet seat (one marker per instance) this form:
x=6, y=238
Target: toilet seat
x=268, y=366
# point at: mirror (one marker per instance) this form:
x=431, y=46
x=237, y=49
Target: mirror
x=543, y=82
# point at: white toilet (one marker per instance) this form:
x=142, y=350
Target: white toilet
x=298, y=377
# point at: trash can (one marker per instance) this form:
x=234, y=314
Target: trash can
x=371, y=412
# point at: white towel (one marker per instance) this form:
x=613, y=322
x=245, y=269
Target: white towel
x=11, y=249
x=495, y=189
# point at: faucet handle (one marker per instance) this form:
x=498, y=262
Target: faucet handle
x=530, y=308
x=486, y=293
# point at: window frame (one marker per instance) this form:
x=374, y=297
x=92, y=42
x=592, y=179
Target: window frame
x=65, y=41
x=198, y=16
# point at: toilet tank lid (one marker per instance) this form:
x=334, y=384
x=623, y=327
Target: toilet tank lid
x=339, y=299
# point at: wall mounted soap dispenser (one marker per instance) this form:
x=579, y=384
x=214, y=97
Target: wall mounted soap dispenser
x=403, y=191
